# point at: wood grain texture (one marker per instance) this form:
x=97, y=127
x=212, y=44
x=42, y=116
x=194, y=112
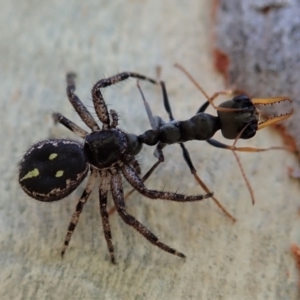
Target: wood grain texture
x=248, y=260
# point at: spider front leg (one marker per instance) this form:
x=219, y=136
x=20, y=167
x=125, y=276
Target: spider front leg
x=99, y=103
x=82, y=111
x=83, y=199
x=118, y=197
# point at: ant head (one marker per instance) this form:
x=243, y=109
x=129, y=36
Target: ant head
x=239, y=115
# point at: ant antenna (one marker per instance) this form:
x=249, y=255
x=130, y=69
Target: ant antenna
x=250, y=189
x=214, y=96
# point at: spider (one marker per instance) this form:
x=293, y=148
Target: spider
x=51, y=169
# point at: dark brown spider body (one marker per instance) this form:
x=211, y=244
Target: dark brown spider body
x=105, y=148
x=52, y=169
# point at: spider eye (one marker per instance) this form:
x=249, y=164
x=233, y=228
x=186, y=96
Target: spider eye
x=51, y=169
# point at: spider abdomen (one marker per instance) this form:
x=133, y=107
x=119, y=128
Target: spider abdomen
x=104, y=148
x=51, y=169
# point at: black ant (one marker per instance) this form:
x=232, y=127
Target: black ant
x=237, y=118
x=51, y=169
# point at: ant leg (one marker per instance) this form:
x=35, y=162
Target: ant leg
x=241, y=167
x=157, y=122
x=99, y=103
x=166, y=101
x=151, y=119
x=117, y=193
x=189, y=162
x=209, y=99
x=133, y=178
x=59, y=118
x=75, y=217
x=233, y=148
x=158, y=153
x=82, y=111
x=218, y=144
x=103, y=189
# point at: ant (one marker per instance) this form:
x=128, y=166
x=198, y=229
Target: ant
x=237, y=118
x=51, y=169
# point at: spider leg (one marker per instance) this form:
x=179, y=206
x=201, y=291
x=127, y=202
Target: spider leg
x=75, y=217
x=115, y=118
x=82, y=111
x=118, y=196
x=103, y=190
x=59, y=118
x=99, y=103
x=133, y=178
x=144, y=178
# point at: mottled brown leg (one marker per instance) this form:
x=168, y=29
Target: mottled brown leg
x=99, y=103
x=115, y=118
x=103, y=189
x=133, y=178
x=118, y=196
x=59, y=118
x=144, y=178
x=75, y=217
x=82, y=111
